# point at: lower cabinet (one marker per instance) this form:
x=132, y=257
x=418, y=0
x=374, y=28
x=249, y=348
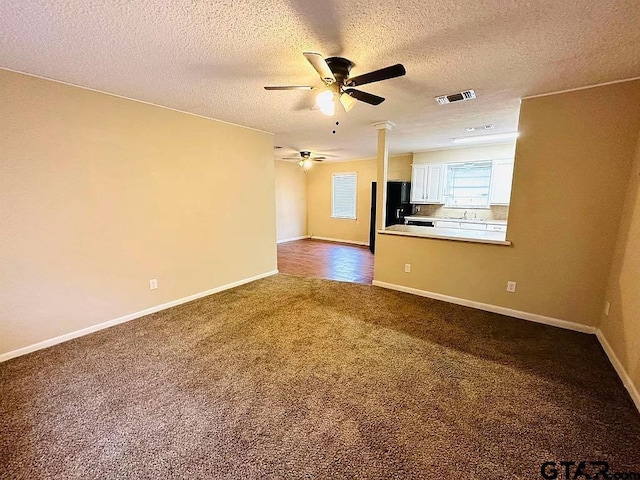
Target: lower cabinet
x=473, y=226
x=470, y=226
x=447, y=224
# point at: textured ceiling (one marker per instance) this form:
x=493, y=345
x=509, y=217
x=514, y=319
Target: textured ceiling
x=213, y=57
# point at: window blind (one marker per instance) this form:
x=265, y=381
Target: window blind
x=343, y=195
x=467, y=184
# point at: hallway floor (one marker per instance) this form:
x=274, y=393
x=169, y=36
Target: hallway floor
x=330, y=260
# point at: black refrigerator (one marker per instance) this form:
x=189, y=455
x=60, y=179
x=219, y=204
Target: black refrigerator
x=398, y=206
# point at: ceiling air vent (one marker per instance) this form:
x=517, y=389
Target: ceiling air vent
x=456, y=97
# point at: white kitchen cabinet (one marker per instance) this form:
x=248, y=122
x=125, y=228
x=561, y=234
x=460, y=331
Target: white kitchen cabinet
x=473, y=226
x=418, y=183
x=501, y=178
x=427, y=183
x=447, y=224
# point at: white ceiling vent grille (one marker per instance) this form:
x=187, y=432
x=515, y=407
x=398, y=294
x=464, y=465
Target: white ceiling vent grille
x=456, y=97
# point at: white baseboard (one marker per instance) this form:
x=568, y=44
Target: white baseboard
x=293, y=239
x=327, y=239
x=132, y=316
x=617, y=364
x=534, y=317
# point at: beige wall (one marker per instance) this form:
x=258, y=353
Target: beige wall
x=572, y=165
x=400, y=167
x=99, y=194
x=319, y=201
x=466, y=154
x=622, y=327
x=291, y=200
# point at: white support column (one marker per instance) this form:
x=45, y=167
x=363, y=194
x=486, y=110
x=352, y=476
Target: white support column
x=383, y=166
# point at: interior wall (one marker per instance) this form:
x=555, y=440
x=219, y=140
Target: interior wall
x=100, y=194
x=399, y=168
x=291, y=200
x=621, y=328
x=319, y=201
x=466, y=154
x=572, y=164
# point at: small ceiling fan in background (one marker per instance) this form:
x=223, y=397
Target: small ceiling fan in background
x=334, y=72
x=306, y=159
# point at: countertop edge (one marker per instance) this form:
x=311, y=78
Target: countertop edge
x=445, y=237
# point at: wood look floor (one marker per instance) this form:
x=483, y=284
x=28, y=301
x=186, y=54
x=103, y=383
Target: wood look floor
x=331, y=260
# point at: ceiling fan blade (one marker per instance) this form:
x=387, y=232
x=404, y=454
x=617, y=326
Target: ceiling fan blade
x=318, y=62
x=318, y=159
x=377, y=75
x=291, y=158
x=289, y=87
x=347, y=102
x=364, y=96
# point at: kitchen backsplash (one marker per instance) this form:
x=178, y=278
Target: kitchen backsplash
x=497, y=212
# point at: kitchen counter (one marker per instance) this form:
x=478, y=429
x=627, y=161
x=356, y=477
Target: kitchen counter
x=476, y=236
x=420, y=218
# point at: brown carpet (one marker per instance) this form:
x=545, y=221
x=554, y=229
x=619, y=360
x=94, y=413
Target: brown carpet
x=305, y=378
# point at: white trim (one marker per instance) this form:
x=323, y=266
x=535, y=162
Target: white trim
x=327, y=239
x=534, y=317
x=384, y=125
x=131, y=99
x=132, y=316
x=292, y=239
x=620, y=370
x=581, y=88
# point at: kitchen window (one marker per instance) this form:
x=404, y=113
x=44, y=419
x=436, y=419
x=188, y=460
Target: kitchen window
x=467, y=185
x=344, y=187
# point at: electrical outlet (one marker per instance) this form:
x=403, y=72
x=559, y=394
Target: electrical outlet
x=511, y=287
x=607, y=306
x=153, y=284
x=407, y=268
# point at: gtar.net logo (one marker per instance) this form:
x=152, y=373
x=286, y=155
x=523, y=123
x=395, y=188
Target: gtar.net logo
x=583, y=470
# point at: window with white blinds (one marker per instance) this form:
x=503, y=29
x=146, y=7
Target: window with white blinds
x=467, y=185
x=344, y=187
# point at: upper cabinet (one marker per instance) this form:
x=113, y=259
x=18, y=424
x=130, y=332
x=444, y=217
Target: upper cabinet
x=427, y=183
x=501, y=178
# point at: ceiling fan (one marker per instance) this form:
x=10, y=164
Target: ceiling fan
x=334, y=72
x=306, y=159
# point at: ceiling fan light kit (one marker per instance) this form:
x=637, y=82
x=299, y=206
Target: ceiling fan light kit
x=347, y=101
x=306, y=164
x=339, y=87
x=326, y=102
x=305, y=159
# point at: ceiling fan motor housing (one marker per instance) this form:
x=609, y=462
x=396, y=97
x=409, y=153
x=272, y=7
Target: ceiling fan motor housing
x=341, y=67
